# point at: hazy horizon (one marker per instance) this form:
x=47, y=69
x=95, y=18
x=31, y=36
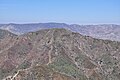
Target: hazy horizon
x=63, y=23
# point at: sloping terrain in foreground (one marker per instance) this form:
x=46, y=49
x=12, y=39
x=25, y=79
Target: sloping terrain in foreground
x=58, y=54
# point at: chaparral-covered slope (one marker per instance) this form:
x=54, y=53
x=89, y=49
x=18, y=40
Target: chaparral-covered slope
x=59, y=54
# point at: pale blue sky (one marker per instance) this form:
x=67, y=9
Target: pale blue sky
x=67, y=11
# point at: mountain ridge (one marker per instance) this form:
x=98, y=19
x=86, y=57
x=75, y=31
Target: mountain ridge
x=63, y=51
x=102, y=31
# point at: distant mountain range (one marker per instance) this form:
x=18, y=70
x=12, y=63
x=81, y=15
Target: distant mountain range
x=57, y=54
x=104, y=31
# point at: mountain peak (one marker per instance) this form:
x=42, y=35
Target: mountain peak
x=61, y=52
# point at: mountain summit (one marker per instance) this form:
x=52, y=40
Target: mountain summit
x=59, y=54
